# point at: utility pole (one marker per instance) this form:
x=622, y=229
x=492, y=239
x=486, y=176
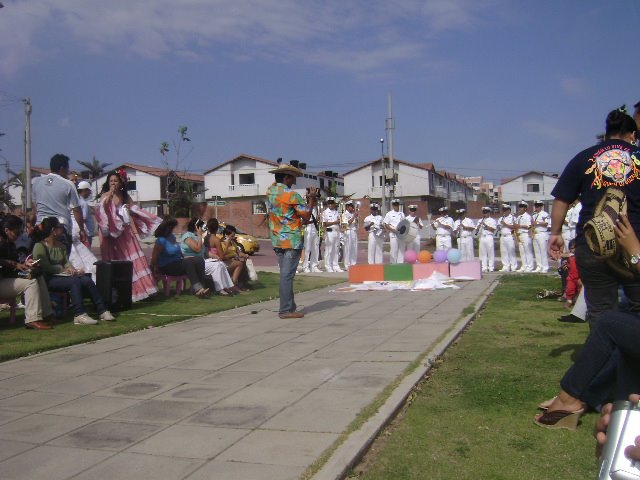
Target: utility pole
x=389, y=127
x=383, y=201
x=27, y=155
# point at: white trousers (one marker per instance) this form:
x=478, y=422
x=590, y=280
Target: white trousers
x=331, y=244
x=311, y=247
x=219, y=273
x=415, y=245
x=465, y=245
x=443, y=242
x=396, y=249
x=487, y=253
x=508, y=253
x=375, y=248
x=540, y=241
x=350, y=247
x=526, y=252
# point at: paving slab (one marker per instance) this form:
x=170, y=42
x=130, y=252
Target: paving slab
x=228, y=395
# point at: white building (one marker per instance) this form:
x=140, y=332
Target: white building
x=529, y=186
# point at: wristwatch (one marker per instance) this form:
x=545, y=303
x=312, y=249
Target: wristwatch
x=635, y=259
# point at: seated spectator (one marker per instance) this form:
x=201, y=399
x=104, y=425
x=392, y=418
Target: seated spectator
x=615, y=336
x=62, y=276
x=167, y=258
x=234, y=258
x=193, y=245
x=38, y=313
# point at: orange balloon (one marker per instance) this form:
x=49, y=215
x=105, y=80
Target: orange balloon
x=424, y=256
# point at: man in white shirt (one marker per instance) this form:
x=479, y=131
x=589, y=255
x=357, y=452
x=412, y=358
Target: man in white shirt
x=540, y=222
x=464, y=228
x=373, y=225
x=350, y=223
x=413, y=217
x=486, y=228
x=55, y=196
x=506, y=223
x=84, y=192
x=390, y=222
x=311, y=241
x=523, y=230
x=569, y=225
x=444, y=228
x=331, y=223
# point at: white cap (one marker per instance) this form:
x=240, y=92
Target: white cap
x=460, y=210
x=348, y=202
x=486, y=209
x=523, y=204
x=374, y=205
x=443, y=209
x=83, y=185
x=505, y=206
x=413, y=207
x=395, y=200
x=331, y=199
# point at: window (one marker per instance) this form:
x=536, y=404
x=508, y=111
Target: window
x=258, y=207
x=246, y=178
x=533, y=187
x=233, y=181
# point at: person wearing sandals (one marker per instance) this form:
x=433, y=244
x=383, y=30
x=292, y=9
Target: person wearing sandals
x=193, y=245
x=61, y=276
x=167, y=258
x=615, y=336
x=38, y=314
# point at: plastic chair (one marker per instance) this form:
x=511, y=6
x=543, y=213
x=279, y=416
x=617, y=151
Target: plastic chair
x=167, y=280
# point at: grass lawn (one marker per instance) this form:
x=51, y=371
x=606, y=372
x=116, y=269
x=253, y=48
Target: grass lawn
x=472, y=418
x=16, y=341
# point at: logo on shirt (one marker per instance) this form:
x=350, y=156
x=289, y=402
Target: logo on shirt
x=614, y=165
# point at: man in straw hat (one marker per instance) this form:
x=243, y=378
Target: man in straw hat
x=331, y=223
x=288, y=212
x=506, y=223
x=390, y=222
x=373, y=225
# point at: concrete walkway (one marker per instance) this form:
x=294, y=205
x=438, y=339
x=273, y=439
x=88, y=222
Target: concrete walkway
x=236, y=395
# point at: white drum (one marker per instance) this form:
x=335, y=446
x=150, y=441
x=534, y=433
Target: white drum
x=407, y=231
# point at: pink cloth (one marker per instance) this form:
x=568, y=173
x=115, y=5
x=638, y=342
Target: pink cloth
x=118, y=241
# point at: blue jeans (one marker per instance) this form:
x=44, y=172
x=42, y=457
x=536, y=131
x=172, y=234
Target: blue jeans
x=76, y=286
x=288, y=259
x=616, y=334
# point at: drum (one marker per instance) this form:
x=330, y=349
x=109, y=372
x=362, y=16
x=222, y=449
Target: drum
x=407, y=231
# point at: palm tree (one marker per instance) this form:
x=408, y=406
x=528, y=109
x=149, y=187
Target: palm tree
x=94, y=169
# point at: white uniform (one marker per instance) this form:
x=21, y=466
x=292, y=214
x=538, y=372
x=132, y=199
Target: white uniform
x=443, y=234
x=350, y=256
x=376, y=237
x=524, y=242
x=311, y=245
x=396, y=246
x=569, y=225
x=486, y=248
x=507, y=244
x=415, y=245
x=331, y=240
x=541, y=240
x=465, y=239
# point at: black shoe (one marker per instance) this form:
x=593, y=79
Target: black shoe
x=571, y=319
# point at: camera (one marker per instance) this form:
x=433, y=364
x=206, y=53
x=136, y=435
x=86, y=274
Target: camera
x=201, y=225
x=624, y=427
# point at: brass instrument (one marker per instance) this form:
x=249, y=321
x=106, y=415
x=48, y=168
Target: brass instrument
x=476, y=233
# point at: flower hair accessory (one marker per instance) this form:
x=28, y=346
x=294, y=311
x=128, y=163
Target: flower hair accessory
x=122, y=173
x=623, y=109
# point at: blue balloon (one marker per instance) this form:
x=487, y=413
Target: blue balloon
x=453, y=255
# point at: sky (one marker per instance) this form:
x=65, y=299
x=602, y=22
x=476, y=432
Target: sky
x=479, y=87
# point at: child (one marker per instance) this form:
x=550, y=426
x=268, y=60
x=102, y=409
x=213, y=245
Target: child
x=573, y=283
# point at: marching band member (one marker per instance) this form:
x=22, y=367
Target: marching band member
x=412, y=217
x=464, y=229
x=507, y=241
x=373, y=225
x=390, y=222
x=523, y=225
x=540, y=223
x=350, y=221
x=311, y=241
x=331, y=223
x=486, y=228
x=569, y=225
x=444, y=228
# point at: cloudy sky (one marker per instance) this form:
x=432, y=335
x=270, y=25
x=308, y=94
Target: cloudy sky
x=480, y=87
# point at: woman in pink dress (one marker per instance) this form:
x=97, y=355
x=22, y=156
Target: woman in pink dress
x=117, y=217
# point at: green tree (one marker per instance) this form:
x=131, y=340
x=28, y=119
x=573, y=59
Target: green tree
x=93, y=170
x=179, y=190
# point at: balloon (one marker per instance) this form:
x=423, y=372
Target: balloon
x=453, y=255
x=424, y=256
x=440, y=256
x=410, y=256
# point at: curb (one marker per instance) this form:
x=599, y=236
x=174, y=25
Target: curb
x=356, y=445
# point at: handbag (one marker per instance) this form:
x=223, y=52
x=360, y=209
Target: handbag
x=251, y=270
